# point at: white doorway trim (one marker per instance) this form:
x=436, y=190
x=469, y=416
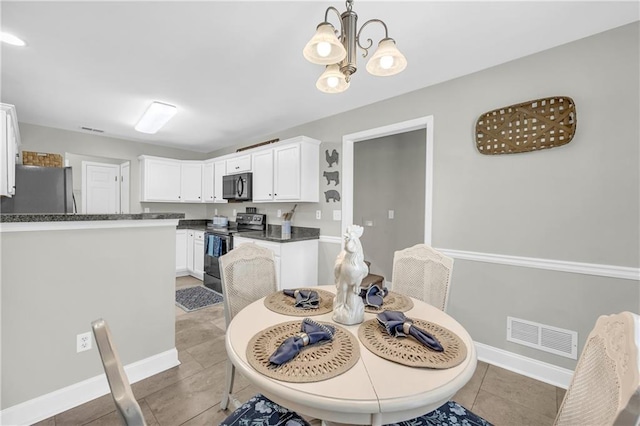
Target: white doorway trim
x=392, y=129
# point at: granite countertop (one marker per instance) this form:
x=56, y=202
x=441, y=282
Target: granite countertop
x=274, y=234
x=195, y=224
x=71, y=217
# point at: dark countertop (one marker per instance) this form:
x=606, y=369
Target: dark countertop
x=195, y=224
x=274, y=234
x=71, y=217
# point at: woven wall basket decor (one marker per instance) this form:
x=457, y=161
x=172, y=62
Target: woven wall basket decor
x=529, y=126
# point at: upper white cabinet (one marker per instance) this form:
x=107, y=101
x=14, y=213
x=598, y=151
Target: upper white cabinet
x=160, y=179
x=191, y=181
x=287, y=172
x=263, y=175
x=219, y=170
x=207, y=182
x=9, y=142
x=284, y=171
x=239, y=164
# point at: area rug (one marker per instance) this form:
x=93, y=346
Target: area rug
x=194, y=298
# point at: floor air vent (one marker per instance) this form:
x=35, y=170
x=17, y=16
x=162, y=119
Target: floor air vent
x=543, y=337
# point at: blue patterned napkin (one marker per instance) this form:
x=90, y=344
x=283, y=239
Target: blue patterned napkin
x=374, y=295
x=305, y=299
x=398, y=325
x=311, y=332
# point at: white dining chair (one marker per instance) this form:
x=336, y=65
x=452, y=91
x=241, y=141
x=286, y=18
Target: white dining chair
x=423, y=273
x=604, y=387
x=248, y=273
x=607, y=374
x=126, y=404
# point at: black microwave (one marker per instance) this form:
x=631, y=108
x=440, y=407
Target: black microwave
x=237, y=187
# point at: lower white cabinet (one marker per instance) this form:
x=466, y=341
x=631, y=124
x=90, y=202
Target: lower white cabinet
x=190, y=253
x=296, y=262
x=181, y=252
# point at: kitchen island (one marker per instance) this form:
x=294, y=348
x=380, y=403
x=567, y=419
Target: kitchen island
x=59, y=273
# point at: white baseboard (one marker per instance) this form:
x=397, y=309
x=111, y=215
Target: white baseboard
x=182, y=273
x=542, y=371
x=56, y=402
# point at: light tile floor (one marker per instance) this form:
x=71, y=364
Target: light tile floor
x=190, y=393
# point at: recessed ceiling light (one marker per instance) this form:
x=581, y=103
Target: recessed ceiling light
x=11, y=39
x=155, y=117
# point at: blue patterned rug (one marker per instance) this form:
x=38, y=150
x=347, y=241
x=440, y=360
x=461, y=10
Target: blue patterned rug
x=194, y=298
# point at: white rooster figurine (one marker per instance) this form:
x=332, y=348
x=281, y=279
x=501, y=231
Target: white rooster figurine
x=349, y=270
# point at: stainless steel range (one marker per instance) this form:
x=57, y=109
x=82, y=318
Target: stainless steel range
x=219, y=241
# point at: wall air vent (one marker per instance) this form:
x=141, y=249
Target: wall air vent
x=543, y=337
x=90, y=129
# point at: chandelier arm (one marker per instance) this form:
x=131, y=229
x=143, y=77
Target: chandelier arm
x=366, y=49
x=326, y=19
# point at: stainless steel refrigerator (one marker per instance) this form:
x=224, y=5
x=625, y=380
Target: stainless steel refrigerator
x=41, y=190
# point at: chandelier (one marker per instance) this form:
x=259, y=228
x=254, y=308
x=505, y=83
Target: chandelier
x=337, y=51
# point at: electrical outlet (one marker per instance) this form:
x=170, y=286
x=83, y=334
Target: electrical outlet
x=368, y=223
x=279, y=213
x=146, y=209
x=83, y=342
x=318, y=214
x=337, y=215
x=391, y=214
x=215, y=211
x=235, y=213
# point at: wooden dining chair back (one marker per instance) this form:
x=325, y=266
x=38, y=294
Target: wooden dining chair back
x=607, y=374
x=126, y=404
x=248, y=273
x=423, y=273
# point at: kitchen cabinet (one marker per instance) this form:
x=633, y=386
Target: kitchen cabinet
x=9, y=151
x=263, y=176
x=191, y=181
x=190, y=253
x=198, y=255
x=160, y=179
x=239, y=164
x=181, y=252
x=219, y=170
x=208, y=172
x=296, y=262
x=287, y=172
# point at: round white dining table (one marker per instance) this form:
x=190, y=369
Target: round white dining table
x=374, y=391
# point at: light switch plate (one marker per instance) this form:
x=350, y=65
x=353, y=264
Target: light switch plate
x=391, y=214
x=337, y=215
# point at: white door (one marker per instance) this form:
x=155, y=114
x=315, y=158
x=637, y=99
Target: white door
x=100, y=188
x=124, y=187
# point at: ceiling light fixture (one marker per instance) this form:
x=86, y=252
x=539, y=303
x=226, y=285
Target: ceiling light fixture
x=11, y=39
x=155, y=117
x=337, y=50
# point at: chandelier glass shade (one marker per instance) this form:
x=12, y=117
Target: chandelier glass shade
x=337, y=50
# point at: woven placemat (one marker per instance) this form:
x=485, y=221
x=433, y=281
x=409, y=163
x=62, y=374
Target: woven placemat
x=314, y=363
x=392, y=302
x=408, y=351
x=283, y=304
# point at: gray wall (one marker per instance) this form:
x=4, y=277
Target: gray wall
x=54, y=283
x=57, y=141
x=389, y=174
x=579, y=202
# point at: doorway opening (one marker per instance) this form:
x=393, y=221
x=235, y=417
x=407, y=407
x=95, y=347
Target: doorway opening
x=348, y=153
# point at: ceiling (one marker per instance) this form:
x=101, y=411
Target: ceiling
x=235, y=69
